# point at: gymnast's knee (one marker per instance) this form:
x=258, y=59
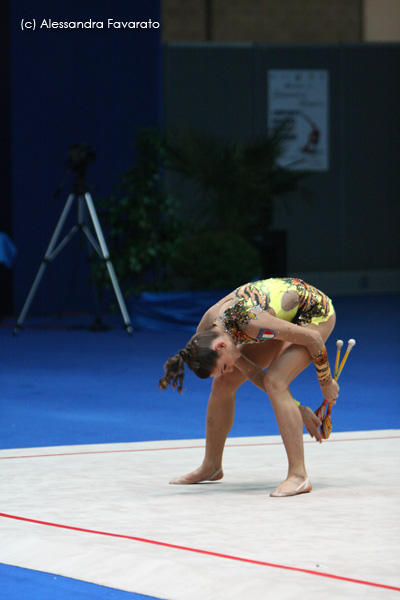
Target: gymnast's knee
x=275, y=384
x=225, y=385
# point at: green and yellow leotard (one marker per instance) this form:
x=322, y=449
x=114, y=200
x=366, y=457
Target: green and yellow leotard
x=308, y=305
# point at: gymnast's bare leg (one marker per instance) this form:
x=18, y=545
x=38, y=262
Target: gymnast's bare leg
x=221, y=412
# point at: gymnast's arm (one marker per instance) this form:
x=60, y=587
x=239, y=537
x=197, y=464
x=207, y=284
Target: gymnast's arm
x=285, y=331
x=308, y=337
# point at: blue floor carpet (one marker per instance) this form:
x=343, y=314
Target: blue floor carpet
x=66, y=386
x=23, y=584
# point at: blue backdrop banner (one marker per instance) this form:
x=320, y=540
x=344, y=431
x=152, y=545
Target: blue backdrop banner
x=172, y=311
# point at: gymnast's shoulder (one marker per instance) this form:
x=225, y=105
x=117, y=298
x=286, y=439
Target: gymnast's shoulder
x=211, y=315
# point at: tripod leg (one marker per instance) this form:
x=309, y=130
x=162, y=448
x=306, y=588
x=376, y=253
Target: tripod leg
x=46, y=260
x=106, y=257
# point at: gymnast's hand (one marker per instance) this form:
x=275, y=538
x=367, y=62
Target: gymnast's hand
x=330, y=391
x=311, y=422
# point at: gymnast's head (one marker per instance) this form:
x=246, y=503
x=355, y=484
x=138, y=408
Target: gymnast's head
x=207, y=354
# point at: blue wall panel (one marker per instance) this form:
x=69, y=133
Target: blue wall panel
x=98, y=86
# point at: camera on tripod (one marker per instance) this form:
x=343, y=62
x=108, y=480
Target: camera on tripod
x=79, y=156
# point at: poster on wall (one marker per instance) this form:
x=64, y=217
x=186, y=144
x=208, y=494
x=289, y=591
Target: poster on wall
x=300, y=98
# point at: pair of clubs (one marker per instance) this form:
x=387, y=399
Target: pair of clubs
x=326, y=427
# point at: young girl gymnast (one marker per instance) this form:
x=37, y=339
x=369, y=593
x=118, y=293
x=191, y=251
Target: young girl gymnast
x=276, y=324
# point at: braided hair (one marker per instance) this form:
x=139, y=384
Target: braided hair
x=197, y=355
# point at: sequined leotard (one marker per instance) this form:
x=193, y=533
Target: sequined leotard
x=312, y=307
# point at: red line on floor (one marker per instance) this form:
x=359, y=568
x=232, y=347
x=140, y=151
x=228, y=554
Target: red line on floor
x=389, y=437
x=206, y=552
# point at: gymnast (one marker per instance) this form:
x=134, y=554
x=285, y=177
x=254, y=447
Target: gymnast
x=278, y=324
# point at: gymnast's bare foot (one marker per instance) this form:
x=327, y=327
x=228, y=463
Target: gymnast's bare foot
x=200, y=474
x=292, y=486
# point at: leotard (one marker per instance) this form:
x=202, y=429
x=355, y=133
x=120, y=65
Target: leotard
x=309, y=305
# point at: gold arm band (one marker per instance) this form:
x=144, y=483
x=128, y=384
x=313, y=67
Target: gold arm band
x=321, y=363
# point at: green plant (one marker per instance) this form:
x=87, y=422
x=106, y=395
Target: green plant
x=238, y=181
x=141, y=217
x=216, y=260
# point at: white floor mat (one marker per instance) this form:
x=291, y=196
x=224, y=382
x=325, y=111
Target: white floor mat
x=106, y=514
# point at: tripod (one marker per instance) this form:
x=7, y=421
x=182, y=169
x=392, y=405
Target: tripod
x=84, y=200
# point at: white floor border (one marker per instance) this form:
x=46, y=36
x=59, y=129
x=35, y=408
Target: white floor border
x=106, y=514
